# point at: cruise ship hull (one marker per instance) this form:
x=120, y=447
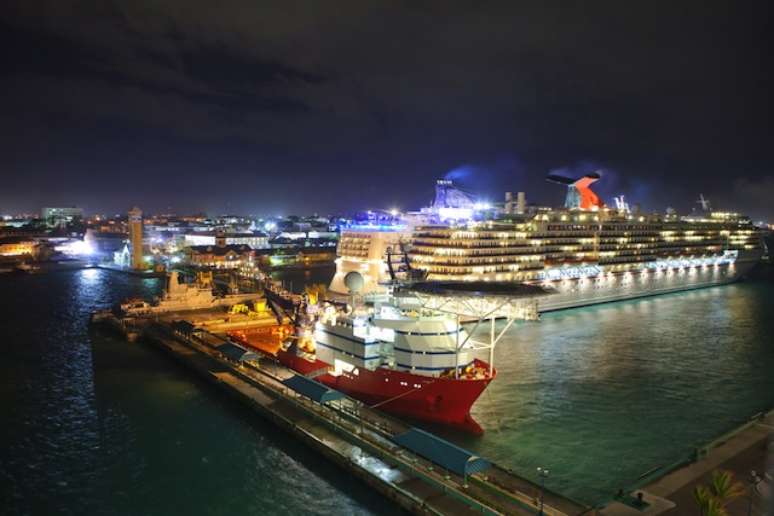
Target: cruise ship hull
x=621, y=286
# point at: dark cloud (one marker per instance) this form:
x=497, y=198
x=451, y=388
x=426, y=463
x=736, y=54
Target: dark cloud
x=267, y=106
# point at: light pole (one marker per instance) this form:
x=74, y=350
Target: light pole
x=753, y=483
x=543, y=474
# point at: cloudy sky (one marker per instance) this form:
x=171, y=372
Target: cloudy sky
x=279, y=107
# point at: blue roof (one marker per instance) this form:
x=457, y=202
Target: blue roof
x=233, y=351
x=312, y=389
x=441, y=452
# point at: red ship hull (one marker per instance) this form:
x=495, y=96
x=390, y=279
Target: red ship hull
x=436, y=400
x=443, y=400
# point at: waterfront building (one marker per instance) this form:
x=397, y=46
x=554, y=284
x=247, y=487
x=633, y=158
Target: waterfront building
x=297, y=257
x=281, y=242
x=135, y=238
x=254, y=239
x=221, y=256
x=18, y=247
x=123, y=257
x=14, y=222
x=61, y=216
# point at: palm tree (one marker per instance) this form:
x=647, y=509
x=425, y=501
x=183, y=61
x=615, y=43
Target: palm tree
x=708, y=504
x=722, y=490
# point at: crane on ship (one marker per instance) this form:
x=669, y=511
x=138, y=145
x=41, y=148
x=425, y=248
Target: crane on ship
x=399, y=266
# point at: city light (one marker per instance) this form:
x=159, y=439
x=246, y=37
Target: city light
x=76, y=248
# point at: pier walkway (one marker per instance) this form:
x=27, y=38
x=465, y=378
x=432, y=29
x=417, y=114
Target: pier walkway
x=748, y=448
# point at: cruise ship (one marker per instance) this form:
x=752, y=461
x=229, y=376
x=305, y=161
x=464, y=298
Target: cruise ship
x=584, y=253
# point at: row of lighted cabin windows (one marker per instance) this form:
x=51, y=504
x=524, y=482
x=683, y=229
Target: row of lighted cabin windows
x=441, y=273
x=346, y=249
x=552, y=230
x=481, y=261
x=526, y=253
x=605, y=227
x=551, y=252
x=448, y=258
x=452, y=265
x=353, y=252
x=471, y=269
x=561, y=237
x=559, y=246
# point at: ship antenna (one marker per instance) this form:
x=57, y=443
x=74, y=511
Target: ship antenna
x=705, y=204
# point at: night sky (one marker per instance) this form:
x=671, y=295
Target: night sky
x=293, y=107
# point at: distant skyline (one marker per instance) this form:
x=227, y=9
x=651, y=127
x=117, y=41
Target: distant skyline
x=298, y=107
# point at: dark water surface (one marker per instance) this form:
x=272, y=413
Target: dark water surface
x=94, y=425
x=599, y=395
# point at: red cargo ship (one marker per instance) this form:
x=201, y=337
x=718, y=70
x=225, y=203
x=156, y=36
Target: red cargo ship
x=401, y=362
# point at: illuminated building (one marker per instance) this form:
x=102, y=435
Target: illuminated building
x=222, y=256
x=135, y=238
x=256, y=239
x=18, y=247
x=298, y=257
x=61, y=216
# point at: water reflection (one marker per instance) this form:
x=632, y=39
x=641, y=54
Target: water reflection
x=98, y=425
x=89, y=276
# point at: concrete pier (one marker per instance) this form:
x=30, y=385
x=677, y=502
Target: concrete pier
x=356, y=438
x=747, y=448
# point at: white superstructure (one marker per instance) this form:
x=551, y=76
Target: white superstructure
x=405, y=338
x=363, y=251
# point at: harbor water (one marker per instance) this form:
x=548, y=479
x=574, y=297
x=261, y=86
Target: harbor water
x=598, y=395
x=94, y=425
x=602, y=395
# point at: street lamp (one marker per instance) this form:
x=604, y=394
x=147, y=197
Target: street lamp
x=753, y=482
x=543, y=474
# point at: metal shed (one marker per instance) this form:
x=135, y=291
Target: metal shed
x=234, y=352
x=312, y=389
x=442, y=452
